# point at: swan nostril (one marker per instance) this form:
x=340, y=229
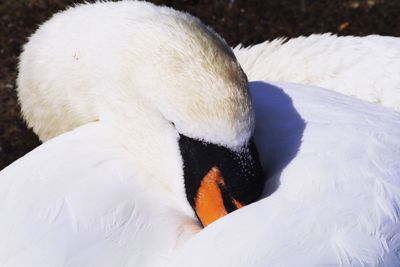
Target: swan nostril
x=229, y=202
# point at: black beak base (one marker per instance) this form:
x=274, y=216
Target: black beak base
x=241, y=170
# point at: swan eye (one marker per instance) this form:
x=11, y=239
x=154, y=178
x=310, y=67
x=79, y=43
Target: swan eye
x=219, y=180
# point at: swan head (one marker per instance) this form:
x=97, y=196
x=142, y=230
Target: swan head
x=166, y=86
x=219, y=180
x=204, y=93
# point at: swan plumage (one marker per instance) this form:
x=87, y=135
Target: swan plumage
x=77, y=201
x=116, y=54
x=362, y=67
x=333, y=198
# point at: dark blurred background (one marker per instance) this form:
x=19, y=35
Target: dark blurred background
x=238, y=21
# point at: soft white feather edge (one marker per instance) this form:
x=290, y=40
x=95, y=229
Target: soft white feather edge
x=364, y=67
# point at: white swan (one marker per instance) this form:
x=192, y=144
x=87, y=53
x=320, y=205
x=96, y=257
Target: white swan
x=314, y=213
x=364, y=67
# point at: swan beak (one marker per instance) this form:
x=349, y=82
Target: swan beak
x=213, y=200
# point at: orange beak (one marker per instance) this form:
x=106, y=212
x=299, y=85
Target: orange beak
x=209, y=202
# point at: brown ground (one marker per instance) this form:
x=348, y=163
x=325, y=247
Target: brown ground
x=237, y=21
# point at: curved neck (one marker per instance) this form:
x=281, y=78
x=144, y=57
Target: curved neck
x=151, y=140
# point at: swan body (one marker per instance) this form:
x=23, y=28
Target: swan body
x=334, y=199
x=363, y=67
x=334, y=196
x=111, y=191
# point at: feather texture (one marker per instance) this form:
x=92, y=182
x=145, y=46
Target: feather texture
x=78, y=200
x=334, y=196
x=364, y=67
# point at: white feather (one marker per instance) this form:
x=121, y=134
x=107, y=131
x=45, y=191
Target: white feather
x=78, y=200
x=364, y=67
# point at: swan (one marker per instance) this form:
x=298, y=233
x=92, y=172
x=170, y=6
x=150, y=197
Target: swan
x=162, y=103
x=333, y=198
x=363, y=67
